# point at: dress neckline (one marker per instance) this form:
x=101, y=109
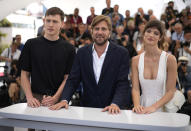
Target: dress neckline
x=157, y=70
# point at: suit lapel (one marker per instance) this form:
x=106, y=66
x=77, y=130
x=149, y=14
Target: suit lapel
x=90, y=63
x=107, y=61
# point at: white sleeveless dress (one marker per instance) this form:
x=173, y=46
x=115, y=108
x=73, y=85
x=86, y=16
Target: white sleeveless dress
x=152, y=90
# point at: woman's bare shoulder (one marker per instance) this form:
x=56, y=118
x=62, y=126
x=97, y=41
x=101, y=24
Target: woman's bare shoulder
x=171, y=58
x=135, y=60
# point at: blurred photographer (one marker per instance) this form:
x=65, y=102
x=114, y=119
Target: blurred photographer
x=14, y=82
x=141, y=17
x=10, y=54
x=178, y=35
x=170, y=11
x=185, y=49
x=184, y=73
x=120, y=38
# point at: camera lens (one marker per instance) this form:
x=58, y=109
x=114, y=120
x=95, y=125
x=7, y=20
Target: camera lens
x=183, y=63
x=122, y=38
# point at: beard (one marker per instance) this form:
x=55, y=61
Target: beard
x=99, y=41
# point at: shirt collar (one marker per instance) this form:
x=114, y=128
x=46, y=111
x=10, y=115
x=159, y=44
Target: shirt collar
x=93, y=47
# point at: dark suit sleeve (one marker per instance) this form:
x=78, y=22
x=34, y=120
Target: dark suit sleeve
x=123, y=91
x=73, y=80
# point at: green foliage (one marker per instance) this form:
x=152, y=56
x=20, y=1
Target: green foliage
x=2, y=35
x=5, y=23
x=2, y=47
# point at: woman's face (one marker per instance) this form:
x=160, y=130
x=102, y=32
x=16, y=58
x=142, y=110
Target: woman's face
x=141, y=27
x=151, y=36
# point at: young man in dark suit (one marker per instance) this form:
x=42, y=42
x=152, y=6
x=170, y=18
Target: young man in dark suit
x=103, y=69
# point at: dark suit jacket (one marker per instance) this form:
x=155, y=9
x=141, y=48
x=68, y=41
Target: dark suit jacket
x=113, y=85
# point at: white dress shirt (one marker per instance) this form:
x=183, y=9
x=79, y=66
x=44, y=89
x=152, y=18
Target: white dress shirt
x=98, y=62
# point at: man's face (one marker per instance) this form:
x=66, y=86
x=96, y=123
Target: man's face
x=76, y=12
x=171, y=4
x=52, y=25
x=18, y=39
x=127, y=13
x=108, y=2
x=116, y=8
x=82, y=28
x=120, y=29
x=150, y=12
x=187, y=37
x=140, y=10
x=100, y=33
x=92, y=10
x=178, y=29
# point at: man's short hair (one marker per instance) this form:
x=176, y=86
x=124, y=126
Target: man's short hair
x=101, y=18
x=178, y=24
x=170, y=2
x=18, y=35
x=55, y=11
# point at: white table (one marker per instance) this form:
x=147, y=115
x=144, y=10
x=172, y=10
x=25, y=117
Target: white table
x=88, y=119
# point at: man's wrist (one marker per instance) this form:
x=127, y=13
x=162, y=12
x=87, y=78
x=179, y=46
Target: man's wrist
x=64, y=101
x=114, y=104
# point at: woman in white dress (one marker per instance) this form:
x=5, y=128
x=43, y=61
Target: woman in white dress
x=148, y=74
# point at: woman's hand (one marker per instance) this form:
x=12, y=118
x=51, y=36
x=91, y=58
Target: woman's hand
x=138, y=109
x=148, y=110
x=144, y=110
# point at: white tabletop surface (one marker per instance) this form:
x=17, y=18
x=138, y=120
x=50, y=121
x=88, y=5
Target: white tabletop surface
x=94, y=117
